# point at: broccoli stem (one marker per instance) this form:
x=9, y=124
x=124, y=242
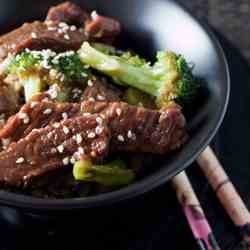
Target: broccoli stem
x=32, y=85
x=118, y=68
x=169, y=79
x=111, y=174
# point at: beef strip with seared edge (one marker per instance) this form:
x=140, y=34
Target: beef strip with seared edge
x=57, y=34
x=41, y=35
x=17, y=128
x=97, y=27
x=36, y=115
x=133, y=129
x=51, y=148
x=136, y=129
x=69, y=13
x=117, y=126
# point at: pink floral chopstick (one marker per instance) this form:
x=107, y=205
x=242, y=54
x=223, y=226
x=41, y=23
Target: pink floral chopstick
x=194, y=213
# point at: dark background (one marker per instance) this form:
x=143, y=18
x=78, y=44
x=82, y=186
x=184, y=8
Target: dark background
x=155, y=221
x=229, y=17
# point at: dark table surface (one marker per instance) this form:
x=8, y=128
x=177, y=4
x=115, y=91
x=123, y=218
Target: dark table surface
x=155, y=220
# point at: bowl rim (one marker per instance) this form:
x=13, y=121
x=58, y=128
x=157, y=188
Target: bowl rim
x=141, y=186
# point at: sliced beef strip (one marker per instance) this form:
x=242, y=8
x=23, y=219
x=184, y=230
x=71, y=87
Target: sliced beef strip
x=40, y=35
x=136, y=129
x=57, y=34
x=16, y=128
x=36, y=115
x=47, y=149
x=69, y=13
x=133, y=129
x=101, y=90
x=102, y=28
x=116, y=126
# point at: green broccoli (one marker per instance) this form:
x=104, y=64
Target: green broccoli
x=114, y=173
x=169, y=79
x=138, y=98
x=37, y=69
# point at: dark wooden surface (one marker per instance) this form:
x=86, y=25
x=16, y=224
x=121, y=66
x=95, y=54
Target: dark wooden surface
x=229, y=17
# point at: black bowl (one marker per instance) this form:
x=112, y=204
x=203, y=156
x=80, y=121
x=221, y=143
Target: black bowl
x=148, y=26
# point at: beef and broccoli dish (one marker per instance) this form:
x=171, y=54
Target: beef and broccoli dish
x=78, y=115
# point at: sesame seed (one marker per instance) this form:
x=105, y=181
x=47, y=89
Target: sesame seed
x=81, y=30
x=52, y=28
x=102, y=146
x=60, y=31
x=65, y=130
x=62, y=78
x=118, y=111
x=81, y=150
x=99, y=130
x=46, y=99
x=47, y=111
x=99, y=120
x=78, y=138
x=33, y=35
x=62, y=24
x=86, y=114
x=66, y=36
x=53, y=73
x=53, y=150
x=60, y=148
x=103, y=116
x=65, y=161
x=91, y=135
x=91, y=99
x=56, y=125
x=49, y=135
x=76, y=156
x=33, y=104
x=72, y=160
x=6, y=141
x=64, y=115
x=100, y=98
x=49, y=22
x=120, y=138
x=94, y=14
x=93, y=154
x=129, y=134
x=20, y=160
x=90, y=83
x=73, y=28
x=53, y=91
x=65, y=29
x=24, y=117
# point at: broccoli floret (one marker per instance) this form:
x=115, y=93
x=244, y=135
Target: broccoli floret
x=114, y=173
x=169, y=79
x=47, y=67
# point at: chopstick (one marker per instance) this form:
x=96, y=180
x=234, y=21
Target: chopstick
x=194, y=213
x=226, y=193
